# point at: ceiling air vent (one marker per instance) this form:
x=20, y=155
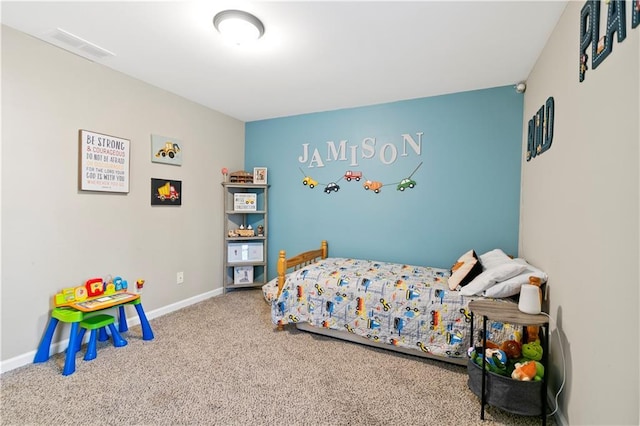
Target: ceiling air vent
x=80, y=44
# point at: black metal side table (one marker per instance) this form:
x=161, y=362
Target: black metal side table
x=509, y=313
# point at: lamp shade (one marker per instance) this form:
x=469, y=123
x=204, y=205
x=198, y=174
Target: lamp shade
x=529, y=299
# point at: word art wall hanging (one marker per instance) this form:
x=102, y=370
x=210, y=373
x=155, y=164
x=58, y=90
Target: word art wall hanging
x=601, y=46
x=104, y=162
x=540, y=131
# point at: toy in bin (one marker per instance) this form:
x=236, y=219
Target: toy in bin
x=511, y=360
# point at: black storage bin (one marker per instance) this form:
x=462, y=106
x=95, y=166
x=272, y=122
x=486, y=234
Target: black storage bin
x=512, y=395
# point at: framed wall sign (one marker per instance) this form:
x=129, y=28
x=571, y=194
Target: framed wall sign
x=104, y=162
x=244, y=201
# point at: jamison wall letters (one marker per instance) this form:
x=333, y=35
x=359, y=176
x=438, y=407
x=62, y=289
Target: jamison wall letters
x=387, y=153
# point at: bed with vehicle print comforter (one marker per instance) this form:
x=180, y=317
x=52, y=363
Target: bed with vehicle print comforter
x=406, y=308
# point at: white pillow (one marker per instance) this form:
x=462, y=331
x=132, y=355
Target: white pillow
x=494, y=258
x=492, y=276
x=511, y=287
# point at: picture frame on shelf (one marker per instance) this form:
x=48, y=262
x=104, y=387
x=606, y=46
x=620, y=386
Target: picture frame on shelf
x=260, y=175
x=245, y=201
x=242, y=274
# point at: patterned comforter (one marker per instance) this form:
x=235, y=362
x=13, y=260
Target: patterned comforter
x=390, y=303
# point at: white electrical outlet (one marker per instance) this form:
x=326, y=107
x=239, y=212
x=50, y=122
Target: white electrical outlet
x=179, y=277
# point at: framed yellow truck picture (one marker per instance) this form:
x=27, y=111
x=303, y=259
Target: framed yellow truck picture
x=166, y=192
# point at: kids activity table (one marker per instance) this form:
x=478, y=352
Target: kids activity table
x=75, y=312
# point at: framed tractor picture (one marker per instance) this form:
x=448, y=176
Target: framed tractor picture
x=166, y=150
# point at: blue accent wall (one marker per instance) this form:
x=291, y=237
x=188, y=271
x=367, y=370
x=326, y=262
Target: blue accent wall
x=468, y=186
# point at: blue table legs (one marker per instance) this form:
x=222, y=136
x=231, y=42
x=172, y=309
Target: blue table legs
x=147, y=333
x=70, y=357
x=42, y=355
x=122, y=320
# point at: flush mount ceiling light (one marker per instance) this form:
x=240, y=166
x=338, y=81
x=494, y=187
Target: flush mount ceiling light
x=238, y=26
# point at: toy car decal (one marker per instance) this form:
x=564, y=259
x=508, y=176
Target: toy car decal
x=406, y=183
x=350, y=174
x=310, y=182
x=373, y=186
x=369, y=184
x=331, y=187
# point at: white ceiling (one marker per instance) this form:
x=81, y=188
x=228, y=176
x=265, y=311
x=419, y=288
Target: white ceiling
x=314, y=56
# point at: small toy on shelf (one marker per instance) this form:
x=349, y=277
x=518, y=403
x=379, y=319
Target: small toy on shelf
x=225, y=172
x=241, y=177
x=245, y=232
x=260, y=231
x=120, y=284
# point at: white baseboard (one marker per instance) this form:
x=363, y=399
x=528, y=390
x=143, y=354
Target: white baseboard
x=57, y=347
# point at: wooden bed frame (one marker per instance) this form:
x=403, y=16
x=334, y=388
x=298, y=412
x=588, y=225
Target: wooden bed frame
x=303, y=259
x=298, y=261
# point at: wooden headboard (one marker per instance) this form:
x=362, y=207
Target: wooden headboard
x=298, y=261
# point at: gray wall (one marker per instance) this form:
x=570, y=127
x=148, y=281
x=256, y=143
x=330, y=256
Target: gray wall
x=579, y=220
x=54, y=236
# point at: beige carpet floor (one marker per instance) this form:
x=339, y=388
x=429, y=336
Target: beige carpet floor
x=222, y=362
